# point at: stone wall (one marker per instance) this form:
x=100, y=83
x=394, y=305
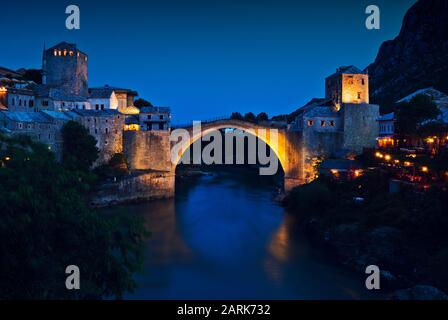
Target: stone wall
x=140, y=186
x=148, y=150
x=108, y=132
x=360, y=126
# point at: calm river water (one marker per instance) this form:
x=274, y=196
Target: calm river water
x=223, y=237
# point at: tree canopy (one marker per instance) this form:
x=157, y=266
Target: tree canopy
x=46, y=226
x=411, y=115
x=236, y=116
x=140, y=103
x=262, y=116
x=250, y=117
x=79, y=149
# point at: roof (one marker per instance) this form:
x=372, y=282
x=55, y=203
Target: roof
x=387, y=117
x=19, y=116
x=96, y=113
x=100, y=93
x=65, y=45
x=155, y=109
x=66, y=116
x=116, y=89
x=321, y=111
x=8, y=73
x=347, y=70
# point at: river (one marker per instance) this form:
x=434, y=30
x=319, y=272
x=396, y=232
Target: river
x=224, y=237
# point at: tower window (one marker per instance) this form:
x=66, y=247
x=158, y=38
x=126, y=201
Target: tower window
x=322, y=123
x=332, y=123
x=310, y=123
x=359, y=95
x=363, y=81
x=55, y=52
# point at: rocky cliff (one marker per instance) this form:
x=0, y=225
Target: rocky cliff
x=416, y=58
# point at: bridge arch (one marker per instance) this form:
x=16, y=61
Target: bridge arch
x=264, y=133
x=152, y=150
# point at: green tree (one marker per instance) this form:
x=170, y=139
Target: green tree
x=249, y=117
x=410, y=115
x=46, y=226
x=236, y=116
x=263, y=116
x=140, y=103
x=79, y=149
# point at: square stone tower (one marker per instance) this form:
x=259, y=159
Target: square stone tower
x=348, y=88
x=66, y=68
x=347, y=85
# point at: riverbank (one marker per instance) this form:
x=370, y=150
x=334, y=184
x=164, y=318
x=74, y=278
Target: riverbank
x=360, y=223
x=137, y=186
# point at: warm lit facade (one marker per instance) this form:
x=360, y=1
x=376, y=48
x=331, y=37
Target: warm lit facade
x=347, y=85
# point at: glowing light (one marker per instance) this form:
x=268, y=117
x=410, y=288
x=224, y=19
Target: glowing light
x=397, y=161
x=358, y=173
x=378, y=155
x=3, y=89
x=334, y=171
x=407, y=164
x=7, y=158
x=425, y=169
x=387, y=157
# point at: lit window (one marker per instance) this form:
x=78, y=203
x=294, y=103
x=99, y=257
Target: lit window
x=55, y=52
x=310, y=123
x=71, y=53
x=60, y=53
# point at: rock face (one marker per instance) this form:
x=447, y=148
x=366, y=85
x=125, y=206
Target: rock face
x=417, y=58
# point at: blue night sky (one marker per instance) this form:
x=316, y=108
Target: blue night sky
x=206, y=58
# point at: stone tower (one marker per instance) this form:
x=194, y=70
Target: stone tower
x=347, y=85
x=349, y=90
x=65, y=67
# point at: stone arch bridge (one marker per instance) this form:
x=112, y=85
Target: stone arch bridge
x=151, y=150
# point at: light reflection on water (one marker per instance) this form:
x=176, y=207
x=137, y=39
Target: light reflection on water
x=223, y=237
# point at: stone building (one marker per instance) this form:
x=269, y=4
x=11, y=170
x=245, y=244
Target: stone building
x=114, y=98
x=155, y=118
x=343, y=122
x=347, y=85
x=37, y=125
x=106, y=127
x=45, y=127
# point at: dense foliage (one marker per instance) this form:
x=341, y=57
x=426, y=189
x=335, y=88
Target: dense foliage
x=79, y=149
x=403, y=232
x=140, y=103
x=411, y=115
x=45, y=226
